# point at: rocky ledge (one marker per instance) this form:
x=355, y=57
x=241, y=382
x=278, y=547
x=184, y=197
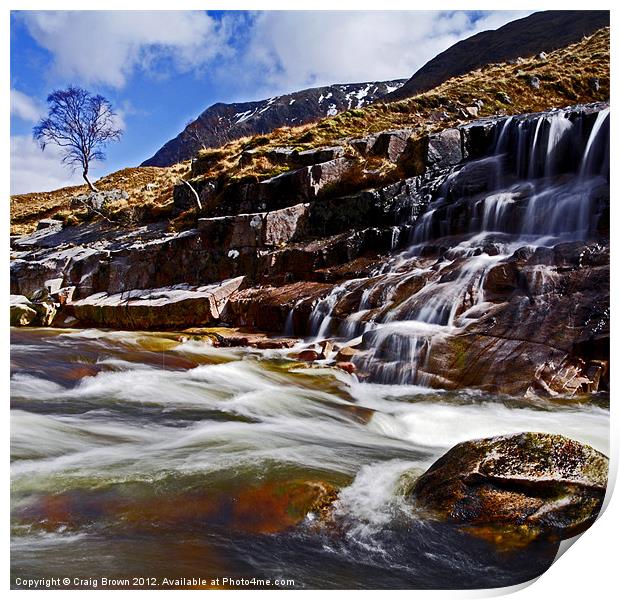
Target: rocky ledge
x=542, y=483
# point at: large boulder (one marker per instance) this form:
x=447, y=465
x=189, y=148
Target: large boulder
x=544, y=483
x=438, y=150
x=287, y=308
x=391, y=144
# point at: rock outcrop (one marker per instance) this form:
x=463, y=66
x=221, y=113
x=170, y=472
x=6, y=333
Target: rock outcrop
x=40, y=309
x=164, y=308
x=545, y=483
x=22, y=310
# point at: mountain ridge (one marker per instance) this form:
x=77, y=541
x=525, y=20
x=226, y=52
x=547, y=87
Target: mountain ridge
x=225, y=122
x=539, y=32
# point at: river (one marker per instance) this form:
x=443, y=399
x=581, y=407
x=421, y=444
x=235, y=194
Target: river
x=138, y=455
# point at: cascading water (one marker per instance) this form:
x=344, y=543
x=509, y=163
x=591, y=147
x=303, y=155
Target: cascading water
x=541, y=183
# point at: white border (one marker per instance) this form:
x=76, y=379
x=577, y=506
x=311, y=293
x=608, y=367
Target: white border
x=587, y=571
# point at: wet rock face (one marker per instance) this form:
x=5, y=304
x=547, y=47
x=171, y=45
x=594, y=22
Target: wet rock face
x=503, y=284
x=270, y=308
x=546, y=483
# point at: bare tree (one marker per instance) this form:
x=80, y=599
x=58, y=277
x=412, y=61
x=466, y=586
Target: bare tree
x=82, y=124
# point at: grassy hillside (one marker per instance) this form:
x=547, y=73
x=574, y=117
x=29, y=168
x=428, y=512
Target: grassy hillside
x=576, y=74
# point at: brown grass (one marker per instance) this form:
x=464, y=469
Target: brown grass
x=28, y=209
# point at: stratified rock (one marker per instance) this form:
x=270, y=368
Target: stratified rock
x=316, y=156
x=176, y=306
x=22, y=310
x=548, y=483
x=301, y=185
x=437, y=150
x=269, y=308
x=363, y=145
x=266, y=229
x=391, y=144
x=230, y=337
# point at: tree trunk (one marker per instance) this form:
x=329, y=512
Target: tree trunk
x=90, y=185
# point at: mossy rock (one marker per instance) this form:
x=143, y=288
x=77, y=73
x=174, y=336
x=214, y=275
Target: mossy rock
x=545, y=483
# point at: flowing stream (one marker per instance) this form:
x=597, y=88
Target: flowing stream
x=134, y=455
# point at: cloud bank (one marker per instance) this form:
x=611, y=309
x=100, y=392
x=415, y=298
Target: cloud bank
x=251, y=55
x=291, y=50
x=273, y=51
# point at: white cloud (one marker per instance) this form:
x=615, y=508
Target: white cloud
x=292, y=50
x=107, y=47
x=270, y=51
x=34, y=170
x=24, y=107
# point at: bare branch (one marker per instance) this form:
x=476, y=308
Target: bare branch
x=80, y=123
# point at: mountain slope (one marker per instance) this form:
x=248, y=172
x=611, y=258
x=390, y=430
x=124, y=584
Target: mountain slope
x=540, y=32
x=223, y=123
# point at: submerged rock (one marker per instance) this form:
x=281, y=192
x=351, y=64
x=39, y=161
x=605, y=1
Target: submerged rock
x=308, y=355
x=547, y=484
x=262, y=508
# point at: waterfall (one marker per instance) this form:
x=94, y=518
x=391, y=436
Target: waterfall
x=588, y=165
x=543, y=173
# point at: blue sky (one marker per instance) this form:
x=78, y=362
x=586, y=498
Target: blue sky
x=162, y=68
